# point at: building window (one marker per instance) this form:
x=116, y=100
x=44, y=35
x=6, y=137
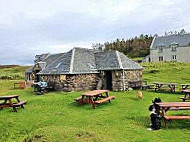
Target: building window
x=174, y=48
x=161, y=58
x=174, y=57
x=160, y=49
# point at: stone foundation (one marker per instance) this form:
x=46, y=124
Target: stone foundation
x=73, y=82
x=89, y=81
x=129, y=76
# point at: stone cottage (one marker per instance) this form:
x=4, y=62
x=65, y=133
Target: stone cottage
x=174, y=47
x=86, y=69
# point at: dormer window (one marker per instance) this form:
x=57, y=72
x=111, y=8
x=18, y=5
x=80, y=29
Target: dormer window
x=174, y=49
x=174, y=46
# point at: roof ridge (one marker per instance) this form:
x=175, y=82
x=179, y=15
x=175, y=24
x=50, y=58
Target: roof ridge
x=72, y=60
x=119, y=59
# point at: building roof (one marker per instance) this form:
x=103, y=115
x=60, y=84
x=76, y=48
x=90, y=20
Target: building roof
x=166, y=41
x=82, y=60
x=29, y=70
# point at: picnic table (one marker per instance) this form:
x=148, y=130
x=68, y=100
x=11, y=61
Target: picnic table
x=166, y=106
x=10, y=102
x=95, y=97
x=184, y=86
x=186, y=95
x=171, y=86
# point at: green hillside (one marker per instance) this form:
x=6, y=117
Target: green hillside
x=55, y=117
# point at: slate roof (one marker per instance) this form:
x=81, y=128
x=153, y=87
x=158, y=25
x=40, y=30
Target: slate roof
x=127, y=63
x=106, y=60
x=82, y=60
x=29, y=70
x=61, y=65
x=166, y=41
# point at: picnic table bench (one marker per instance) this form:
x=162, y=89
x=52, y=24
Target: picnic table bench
x=10, y=103
x=94, y=97
x=166, y=106
x=186, y=95
x=159, y=85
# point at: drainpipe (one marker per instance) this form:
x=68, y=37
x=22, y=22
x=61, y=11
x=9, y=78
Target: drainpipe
x=124, y=81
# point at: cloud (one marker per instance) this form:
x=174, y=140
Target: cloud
x=33, y=27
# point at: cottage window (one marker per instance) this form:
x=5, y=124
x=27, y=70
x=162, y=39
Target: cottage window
x=161, y=58
x=160, y=49
x=174, y=57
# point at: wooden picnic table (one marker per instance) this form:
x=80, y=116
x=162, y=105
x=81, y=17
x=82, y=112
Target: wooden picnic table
x=159, y=85
x=166, y=106
x=184, y=86
x=10, y=102
x=186, y=95
x=93, y=96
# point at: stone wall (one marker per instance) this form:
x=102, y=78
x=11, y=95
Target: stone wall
x=89, y=81
x=129, y=76
x=73, y=82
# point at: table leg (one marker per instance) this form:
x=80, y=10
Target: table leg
x=107, y=95
x=82, y=100
x=93, y=104
x=18, y=100
x=11, y=105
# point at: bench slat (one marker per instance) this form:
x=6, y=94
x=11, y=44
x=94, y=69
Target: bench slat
x=78, y=99
x=176, y=117
x=104, y=100
x=20, y=103
x=179, y=108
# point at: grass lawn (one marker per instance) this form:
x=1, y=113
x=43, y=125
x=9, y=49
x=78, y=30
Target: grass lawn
x=54, y=117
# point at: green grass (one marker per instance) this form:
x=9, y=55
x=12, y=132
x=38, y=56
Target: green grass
x=54, y=117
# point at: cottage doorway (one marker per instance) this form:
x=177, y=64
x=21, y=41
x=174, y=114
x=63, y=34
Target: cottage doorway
x=109, y=80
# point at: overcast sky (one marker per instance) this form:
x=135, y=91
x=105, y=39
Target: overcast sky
x=30, y=27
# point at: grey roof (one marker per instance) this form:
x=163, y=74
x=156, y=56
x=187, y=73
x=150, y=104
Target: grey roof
x=107, y=60
x=29, y=70
x=81, y=60
x=84, y=61
x=128, y=63
x=61, y=65
x=51, y=58
x=166, y=41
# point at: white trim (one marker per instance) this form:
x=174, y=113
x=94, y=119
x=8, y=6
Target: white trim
x=119, y=60
x=72, y=61
x=121, y=66
x=124, y=87
x=152, y=42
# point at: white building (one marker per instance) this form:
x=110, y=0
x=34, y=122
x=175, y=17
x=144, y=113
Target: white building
x=170, y=48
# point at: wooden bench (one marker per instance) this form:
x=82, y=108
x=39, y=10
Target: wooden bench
x=78, y=99
x=180, y=108
x=184, y=99
x=80, y=102
x=104, y=100
x=175, y=118
x=20, y=104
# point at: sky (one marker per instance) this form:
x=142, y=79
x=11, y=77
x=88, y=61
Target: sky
x=31, y=27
